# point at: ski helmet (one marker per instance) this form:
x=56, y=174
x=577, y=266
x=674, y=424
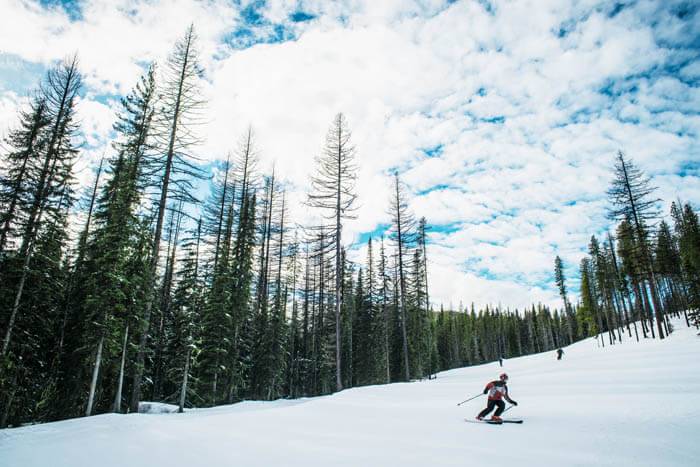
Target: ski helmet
x=503, y=377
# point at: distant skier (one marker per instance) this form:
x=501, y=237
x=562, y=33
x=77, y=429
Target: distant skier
x=560, y=352
x=497, y=390
x=500, y=361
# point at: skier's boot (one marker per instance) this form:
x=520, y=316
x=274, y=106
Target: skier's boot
x=496, y=418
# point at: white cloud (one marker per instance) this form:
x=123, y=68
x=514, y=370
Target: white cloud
x=9, y=104
x=96, y=121
x=528, y=104
x=114, y=38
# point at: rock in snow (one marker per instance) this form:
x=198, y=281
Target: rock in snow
x=157, y=407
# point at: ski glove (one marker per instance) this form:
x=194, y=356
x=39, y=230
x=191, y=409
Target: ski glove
x=513, y=402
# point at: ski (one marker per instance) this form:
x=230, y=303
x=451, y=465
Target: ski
x=510, y=420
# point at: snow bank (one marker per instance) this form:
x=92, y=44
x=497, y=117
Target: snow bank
x=634, y=404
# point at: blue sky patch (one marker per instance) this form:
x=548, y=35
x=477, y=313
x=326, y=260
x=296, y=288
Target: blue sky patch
x=496, y=120
x=251, y=15
x=689, y=169
x=449, y=228
x=441, y=186
x=381, y=229
x=18, y=75
x=434, y=151
x=72, y=8
x=301, y=17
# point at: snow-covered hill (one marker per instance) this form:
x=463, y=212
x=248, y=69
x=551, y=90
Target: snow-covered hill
x=631, y=404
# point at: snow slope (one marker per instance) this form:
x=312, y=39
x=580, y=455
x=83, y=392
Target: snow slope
x=631, y=404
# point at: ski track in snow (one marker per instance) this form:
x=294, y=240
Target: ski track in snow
x=635, y=404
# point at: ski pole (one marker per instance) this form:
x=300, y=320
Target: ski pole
x=509, y=407
x=471, y=398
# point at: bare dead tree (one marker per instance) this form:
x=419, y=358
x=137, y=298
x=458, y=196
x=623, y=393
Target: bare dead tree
x=333, y=192
x=404, y=236
x=179, y=114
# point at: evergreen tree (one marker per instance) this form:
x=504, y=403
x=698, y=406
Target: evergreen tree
x=588, y=311
x=181, y=103
x=104, y=275
x=186, y=311
x=49, y=191
x=20, y=165
x=667, y=263
x=630, y=198
x=403, y=234
x=333, y=192
x=628, y=253
x=687, y=229
x=367, y=325
x=561, y=281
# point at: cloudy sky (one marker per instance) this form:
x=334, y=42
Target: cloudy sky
x=502, y=117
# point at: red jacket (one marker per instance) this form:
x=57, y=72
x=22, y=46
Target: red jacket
x=497, y=390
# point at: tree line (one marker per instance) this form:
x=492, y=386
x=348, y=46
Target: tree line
x=634, y=279
x=164, y=297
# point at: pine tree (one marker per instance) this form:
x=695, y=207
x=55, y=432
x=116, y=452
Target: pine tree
x=295, y=325
x=333, y=187
x=561, y=281
x=667, y=262
x=181, y=103
x=687, y=229
x=20, y=164
x=34, y=272
x=367, y=325
x=620, y=289
x=630, y=198
x=216, y=352
x=588, y=312
x=384, y=288
x=629, y=253
x=403, y=234
x=99, y=299
x=51, y=182
x=186, y=307
x=164, y=316
x=222, y=192
x=428, y=318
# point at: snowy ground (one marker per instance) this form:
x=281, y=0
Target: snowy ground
x=631, y=404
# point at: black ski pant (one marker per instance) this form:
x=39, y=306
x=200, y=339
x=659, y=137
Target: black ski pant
x=493, y=403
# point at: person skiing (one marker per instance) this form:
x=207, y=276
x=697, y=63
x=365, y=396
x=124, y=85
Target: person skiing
x=497, y=390
x=560, y=352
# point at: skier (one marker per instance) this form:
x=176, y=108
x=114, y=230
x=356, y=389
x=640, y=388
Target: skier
x=496, y=390
x=500, y=361
x=560, y=352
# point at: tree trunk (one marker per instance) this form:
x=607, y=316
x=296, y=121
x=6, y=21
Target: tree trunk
x=183, y=389
x=402, y=285
x=95, y=373
x=117, y=406
x=338, y=269
x=647, y=307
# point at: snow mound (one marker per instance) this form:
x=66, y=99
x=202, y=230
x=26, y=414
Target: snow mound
x=634, y=404
x=157, y=407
